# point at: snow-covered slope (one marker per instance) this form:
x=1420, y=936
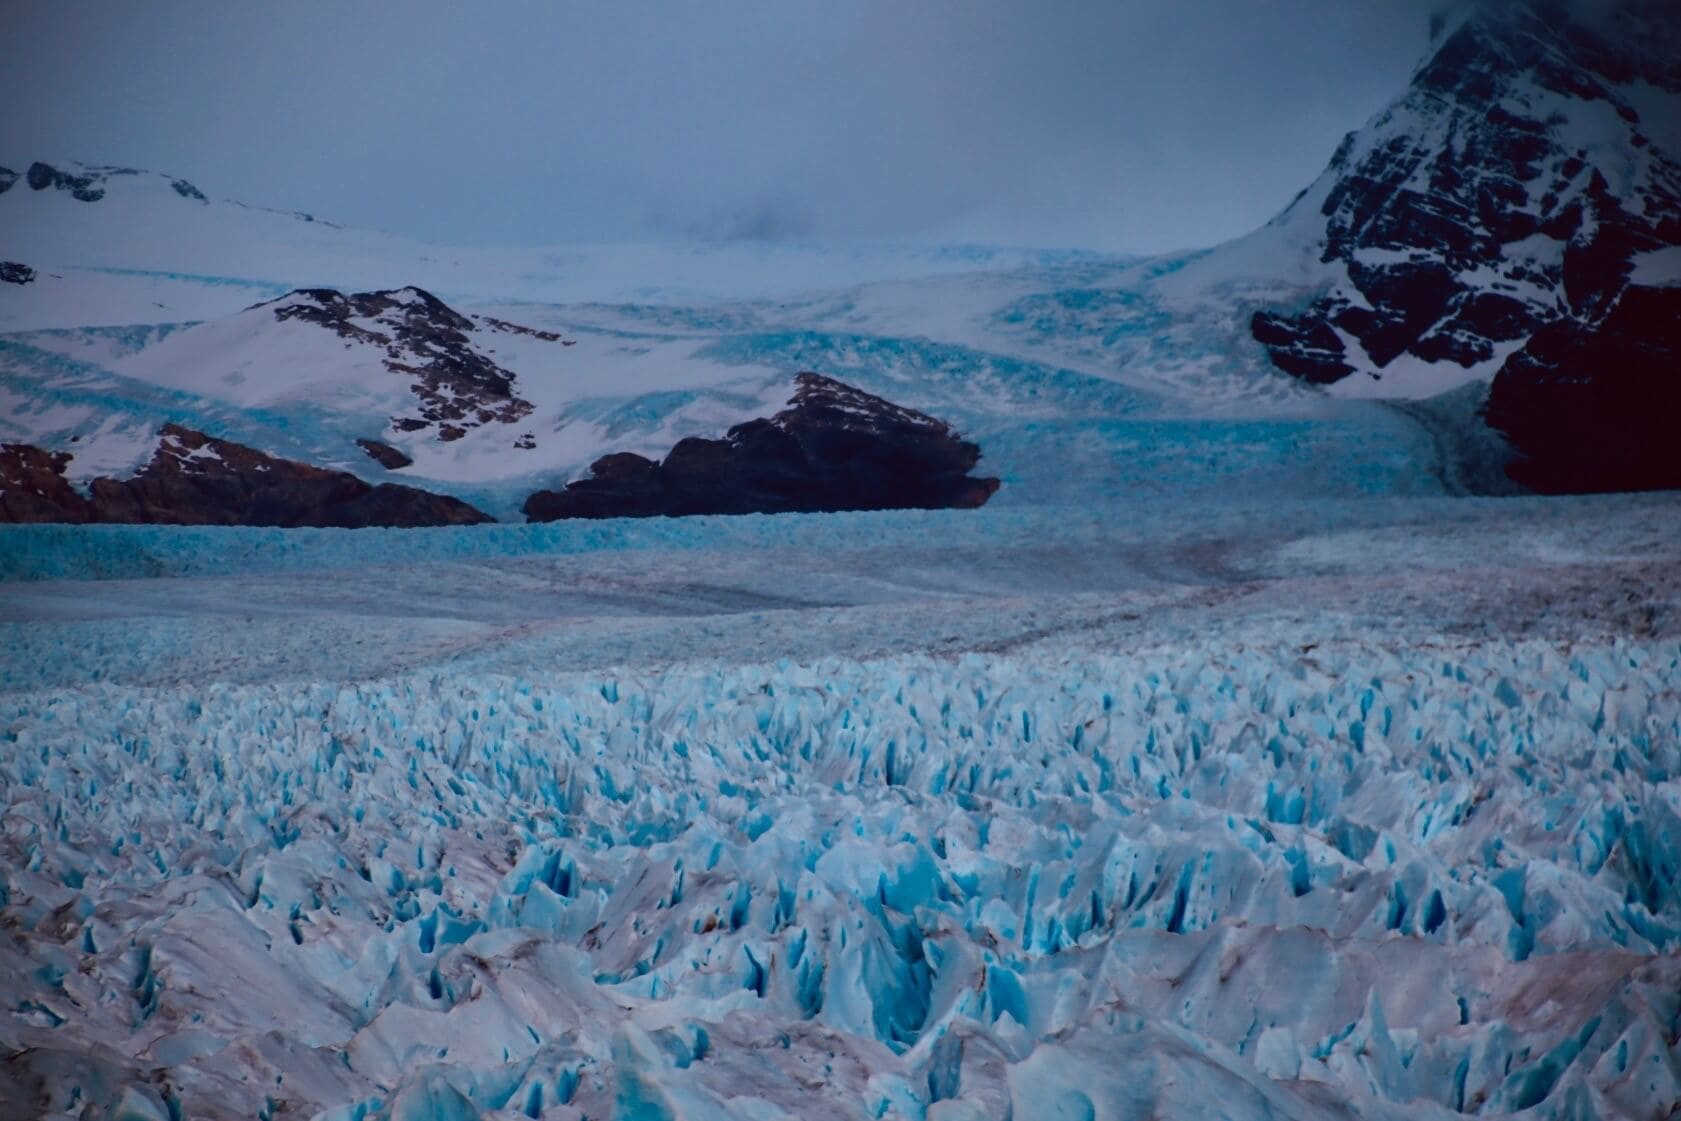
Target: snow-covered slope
x=121, y=246
x=135, y=248
x=367, y=352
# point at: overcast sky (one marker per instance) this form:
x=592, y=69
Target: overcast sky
x=1129, y=124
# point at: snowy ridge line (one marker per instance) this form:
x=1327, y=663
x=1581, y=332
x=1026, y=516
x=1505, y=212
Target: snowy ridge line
x=1266, y=881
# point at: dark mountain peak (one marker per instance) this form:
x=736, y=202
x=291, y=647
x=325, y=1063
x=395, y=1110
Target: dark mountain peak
x=1528, y=166
x=1581, y=50
x=835, y=447
x=823, y=401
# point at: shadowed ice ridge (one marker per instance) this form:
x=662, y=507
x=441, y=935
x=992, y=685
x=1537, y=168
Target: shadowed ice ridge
x=1216, y=881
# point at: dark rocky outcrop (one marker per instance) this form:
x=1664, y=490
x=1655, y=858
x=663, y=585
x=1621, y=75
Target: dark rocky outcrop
x=528, y=332
x=1469, y=214
x=388, y=457
x=86, y=186
x=1597, y=407
x=424, y=339
x=194, y=479
x=86, y=183
x=833, y=448
x=15, y=272
x=33, y=487
x=1302, y=346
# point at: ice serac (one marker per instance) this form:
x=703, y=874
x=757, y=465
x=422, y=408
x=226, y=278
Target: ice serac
x=834, y=447
x=194, y=479
x=1597, y=406
x=1245, y=879
x=1534, y=158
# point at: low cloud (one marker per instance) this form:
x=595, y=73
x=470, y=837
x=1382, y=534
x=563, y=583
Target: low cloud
x=1132, y=125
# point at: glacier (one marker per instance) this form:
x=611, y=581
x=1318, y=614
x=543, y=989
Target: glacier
x=1323, y=809
x=1232, y=762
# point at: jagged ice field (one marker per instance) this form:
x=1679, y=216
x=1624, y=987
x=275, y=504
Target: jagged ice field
x=1305, y=809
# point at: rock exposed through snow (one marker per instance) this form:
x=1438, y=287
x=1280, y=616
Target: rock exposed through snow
x=388, y=457
x=458, y=385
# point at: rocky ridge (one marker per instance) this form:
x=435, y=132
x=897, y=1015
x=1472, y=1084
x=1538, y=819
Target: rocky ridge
x=195, y=479
x=834, y=447
x=388, y=457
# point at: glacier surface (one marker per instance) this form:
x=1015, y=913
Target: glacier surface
x=1316, y=810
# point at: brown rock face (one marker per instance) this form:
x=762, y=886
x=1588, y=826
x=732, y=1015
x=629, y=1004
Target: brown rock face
x=33, y=487
x=833, y=448
x=194, y=479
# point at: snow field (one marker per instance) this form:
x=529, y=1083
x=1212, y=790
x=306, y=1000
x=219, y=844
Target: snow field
x=1206, y=879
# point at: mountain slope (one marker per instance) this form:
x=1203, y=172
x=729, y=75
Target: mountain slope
x=1527, y=172
x=1533, y=163
x=1596, y=407
x=120, y=245
x=136, y=249
x=404, y=351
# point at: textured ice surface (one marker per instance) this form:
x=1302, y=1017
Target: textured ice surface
x=1441, y=875
x=1316, y=811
